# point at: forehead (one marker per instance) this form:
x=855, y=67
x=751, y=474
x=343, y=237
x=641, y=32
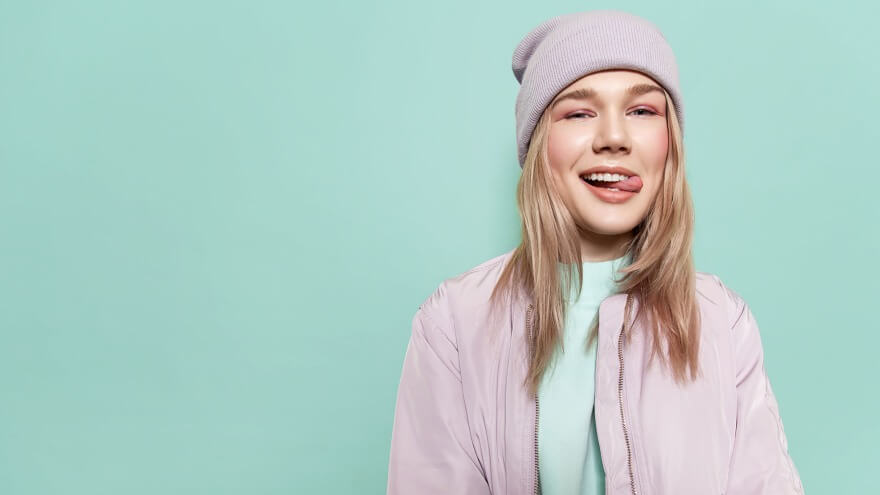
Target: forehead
x=611, y=82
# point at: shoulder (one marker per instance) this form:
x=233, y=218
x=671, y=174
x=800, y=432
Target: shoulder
x=465, y=293
x=719, y=298
x=494, y=263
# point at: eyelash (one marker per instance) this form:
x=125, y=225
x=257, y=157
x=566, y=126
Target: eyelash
x=636, y=110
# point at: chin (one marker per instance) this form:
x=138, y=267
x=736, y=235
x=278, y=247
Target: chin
x=608, y=226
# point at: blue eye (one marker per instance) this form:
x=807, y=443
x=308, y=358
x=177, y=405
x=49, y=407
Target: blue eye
x=644, y=110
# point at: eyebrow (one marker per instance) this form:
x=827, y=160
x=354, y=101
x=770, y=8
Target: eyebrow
x=589, y=93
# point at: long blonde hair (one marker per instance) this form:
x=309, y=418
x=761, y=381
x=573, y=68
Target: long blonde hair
x=661, y=274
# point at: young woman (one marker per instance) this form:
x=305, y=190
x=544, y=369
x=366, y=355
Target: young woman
x=535, y=371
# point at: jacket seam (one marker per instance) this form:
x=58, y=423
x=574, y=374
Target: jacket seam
x=780, y=432
x=454, y=341
x=433, y=323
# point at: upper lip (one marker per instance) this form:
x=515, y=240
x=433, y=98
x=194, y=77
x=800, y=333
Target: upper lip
x=605, y=169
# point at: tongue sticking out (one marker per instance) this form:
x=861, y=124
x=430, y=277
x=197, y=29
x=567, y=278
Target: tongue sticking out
x=633, y=183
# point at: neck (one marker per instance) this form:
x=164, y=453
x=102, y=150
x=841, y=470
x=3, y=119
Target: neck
x=603, y=247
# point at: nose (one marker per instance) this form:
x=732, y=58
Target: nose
x=611, y=136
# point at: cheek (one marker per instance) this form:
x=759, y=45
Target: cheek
x=659, y=150
x=655, y=147
x=564, y=146
x=661, y=142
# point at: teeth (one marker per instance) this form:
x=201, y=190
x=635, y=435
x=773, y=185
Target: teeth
x=607, y=177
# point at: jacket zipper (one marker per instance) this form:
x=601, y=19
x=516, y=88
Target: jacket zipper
x=632, y=479
x=629, y=464
x=532, y=349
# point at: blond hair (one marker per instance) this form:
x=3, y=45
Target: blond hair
x=661, y=275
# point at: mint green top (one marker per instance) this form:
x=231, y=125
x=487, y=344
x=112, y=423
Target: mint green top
x=569, y=461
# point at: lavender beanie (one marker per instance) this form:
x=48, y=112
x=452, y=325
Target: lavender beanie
x=563, y=49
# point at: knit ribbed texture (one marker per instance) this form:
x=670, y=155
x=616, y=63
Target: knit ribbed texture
x=566, y=48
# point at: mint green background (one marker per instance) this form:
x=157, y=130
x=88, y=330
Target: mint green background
x=218, y=219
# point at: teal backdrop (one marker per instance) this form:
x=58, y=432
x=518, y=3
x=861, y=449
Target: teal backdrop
x=217, y=220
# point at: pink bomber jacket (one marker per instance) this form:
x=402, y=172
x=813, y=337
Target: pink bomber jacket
x=465, y=425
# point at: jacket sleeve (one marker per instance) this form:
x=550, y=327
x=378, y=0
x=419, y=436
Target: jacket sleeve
x=760, y=463
x=431, y=447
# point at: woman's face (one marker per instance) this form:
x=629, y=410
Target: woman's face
x=613, y=119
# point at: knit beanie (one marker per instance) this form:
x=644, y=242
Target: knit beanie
x=561, y=50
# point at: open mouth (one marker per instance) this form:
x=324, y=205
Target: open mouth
x=614, y=182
